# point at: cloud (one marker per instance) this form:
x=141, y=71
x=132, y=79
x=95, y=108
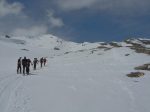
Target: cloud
x=112, y=6
x=7, y=9
x=14, y=21
x=32, y=31
x=75, y=4
x=54, y=21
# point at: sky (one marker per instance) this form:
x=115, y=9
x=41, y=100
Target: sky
x=76, y=20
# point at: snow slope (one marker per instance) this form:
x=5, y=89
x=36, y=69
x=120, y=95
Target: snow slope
x=77, y=78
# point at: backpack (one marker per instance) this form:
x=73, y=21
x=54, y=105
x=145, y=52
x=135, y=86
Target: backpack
x=41, y=60
x=35, y=61
x=19, y=61
x=44, y=60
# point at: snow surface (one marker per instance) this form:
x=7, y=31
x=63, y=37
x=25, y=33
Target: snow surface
x=75, y=78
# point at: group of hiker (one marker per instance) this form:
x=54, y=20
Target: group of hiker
x=23, y=65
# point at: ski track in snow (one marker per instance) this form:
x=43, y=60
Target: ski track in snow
x=7, y=86
x=12, y=97
x=124, y=87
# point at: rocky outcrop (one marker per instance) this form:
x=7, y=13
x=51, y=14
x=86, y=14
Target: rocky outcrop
x=104, y=43
x=145, y=41
x=127, y=54
x=56, y=48
x=138, y=45
x=7, y=36
x=135, y=74
x=143, y=67
x=25, y=49
x=102, y=47
x=115, y=44
x=140, y=49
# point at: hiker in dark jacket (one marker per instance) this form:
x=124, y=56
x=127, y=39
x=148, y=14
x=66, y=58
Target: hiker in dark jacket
x=35, y=62
x=41, y=61
x=28, y=66
x=45, y=60
x=19, y=66
x=24, y=64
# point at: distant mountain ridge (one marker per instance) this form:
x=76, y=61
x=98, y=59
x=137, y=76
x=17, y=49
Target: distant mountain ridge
x=56, y=43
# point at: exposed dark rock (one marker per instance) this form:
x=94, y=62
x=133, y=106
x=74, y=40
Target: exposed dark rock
x=102, y=47
x=7, y=36
x=143, y=67
x=137, y=45
x=127, y=54
x=22, y=43
x=106, y=49
x=66, y=52
x=139, y=48
x=25, y=49
x=81, y=50
x=147, y=42
x=103, y=43
x=135, y=74
x=115, y=44
x=56, y=48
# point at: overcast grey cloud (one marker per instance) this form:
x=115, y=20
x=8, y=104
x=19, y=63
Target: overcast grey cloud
x=79, y=19
x=111, y=6
x=32, y=31
x=54, y=21
x=15, y=22
x=7, y=9
x=69, y=5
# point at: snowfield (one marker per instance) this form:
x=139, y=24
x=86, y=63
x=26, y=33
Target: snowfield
x=77, y=78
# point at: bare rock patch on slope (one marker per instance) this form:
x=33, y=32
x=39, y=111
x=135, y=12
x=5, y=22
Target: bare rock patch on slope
x=115, y=44
x=138, y=46
x=143, y=67
x=135, y=74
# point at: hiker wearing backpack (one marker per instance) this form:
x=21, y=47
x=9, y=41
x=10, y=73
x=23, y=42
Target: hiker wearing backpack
x=24, y=64
x=35, y=62
x=28, y=66
x=41, y=61
x=19, y=66
x=45, y=60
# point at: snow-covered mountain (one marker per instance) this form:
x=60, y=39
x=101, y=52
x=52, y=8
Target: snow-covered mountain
x=79, y=77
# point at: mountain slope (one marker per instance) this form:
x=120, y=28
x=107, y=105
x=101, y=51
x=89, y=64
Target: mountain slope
x=86, y=77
